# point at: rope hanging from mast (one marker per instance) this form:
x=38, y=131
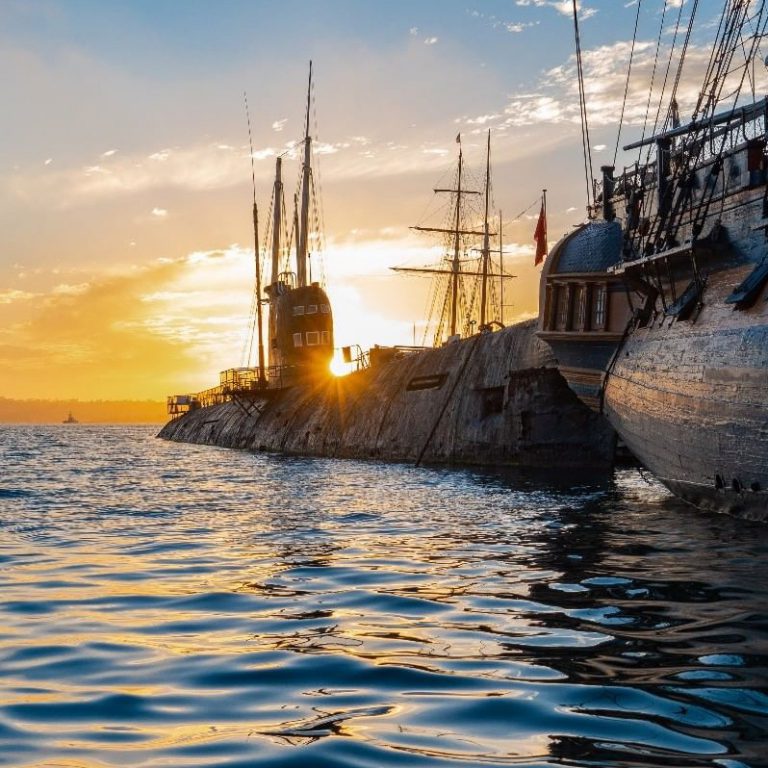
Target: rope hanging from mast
x=666, y=73
x=585, y=142
x=626, y=83
x=256, y=299
x=680, y=64
x=653, y=78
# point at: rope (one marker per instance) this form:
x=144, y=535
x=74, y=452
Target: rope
x=522, y=213
x=585, y=142
x=683, y=53
x=666, y=72
x=653, y=77
x=626, y=84
x=448, y=399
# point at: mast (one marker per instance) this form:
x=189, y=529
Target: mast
x=501, y=271
x=259, y=319
x=262, y=374
x=306, y=173
x=277, y=214
x=296, y=224
x=456, y=265
x=486, y=252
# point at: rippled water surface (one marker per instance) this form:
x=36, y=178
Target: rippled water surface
x=176, y=605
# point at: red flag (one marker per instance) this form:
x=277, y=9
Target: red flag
x=540, y=235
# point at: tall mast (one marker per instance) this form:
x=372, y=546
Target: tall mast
x=296, y=223
x=456, y=265
x=501, y=271
x=486, y=253
x=301, y=256
x=277, y=215
x=259, y=320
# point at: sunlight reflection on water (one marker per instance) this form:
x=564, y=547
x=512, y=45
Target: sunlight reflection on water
x=168, y=604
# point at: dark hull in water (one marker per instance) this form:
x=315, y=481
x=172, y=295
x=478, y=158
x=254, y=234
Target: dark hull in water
x=494, y=399
x=690, y=399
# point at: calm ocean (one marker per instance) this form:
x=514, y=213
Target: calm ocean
x=177, y=605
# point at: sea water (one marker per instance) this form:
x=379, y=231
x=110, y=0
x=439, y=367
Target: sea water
x=178, y=605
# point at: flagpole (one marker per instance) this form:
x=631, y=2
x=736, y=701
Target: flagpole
x=540, y=236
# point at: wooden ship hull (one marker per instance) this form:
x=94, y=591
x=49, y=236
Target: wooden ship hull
x=679, y=360
x=493, y=399
x=690, y=400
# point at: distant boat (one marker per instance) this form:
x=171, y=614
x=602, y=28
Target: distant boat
x=70, y=419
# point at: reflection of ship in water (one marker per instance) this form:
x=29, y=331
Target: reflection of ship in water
x=642, y=629
x=656, y=308
x=70, y=419
x=490, y=396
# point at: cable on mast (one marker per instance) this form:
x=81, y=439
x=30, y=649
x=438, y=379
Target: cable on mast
x=585, y=142
x=626, y=84
x=257, y=297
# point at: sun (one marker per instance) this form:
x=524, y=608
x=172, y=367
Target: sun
x=338, y=366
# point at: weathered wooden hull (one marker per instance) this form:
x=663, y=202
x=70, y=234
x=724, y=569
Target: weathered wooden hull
x=500, y=401
x=690, y=400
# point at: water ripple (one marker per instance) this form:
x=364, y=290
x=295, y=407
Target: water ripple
x=170, y=605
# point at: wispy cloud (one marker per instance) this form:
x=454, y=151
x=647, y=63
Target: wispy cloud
x=181, y=318
x=14, y=295
x=564, y=7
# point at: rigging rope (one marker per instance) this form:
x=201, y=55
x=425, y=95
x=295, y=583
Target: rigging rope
x=666, y=73
x=680, y=63
x=626, y=84
x=585, y=142
x=653, y=78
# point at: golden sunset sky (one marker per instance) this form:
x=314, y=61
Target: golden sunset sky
x=125, y=179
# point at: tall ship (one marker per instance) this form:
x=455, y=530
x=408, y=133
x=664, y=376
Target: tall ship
x=484, y=394
x=655, y=307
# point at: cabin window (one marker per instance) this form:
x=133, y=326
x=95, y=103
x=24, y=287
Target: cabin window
x=581, y=307
x=325, y=309
x=563, y=296
x=311, y=309
x=297, y=340
x=325, y=337
x=298, y=310
x=598, y=310
x=551, y=307
x=313, y=338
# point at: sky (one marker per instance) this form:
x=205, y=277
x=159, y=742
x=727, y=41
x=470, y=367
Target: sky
x=126, y=243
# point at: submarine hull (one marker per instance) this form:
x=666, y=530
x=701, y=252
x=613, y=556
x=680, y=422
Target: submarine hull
x=493, y=399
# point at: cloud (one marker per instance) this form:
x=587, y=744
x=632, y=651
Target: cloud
x=430, y=40
x=14, y=295
x=109, y=153
x=159, y=213
x=564, y=7
x=65, y=289
x=278, y=125
x=157, y=329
